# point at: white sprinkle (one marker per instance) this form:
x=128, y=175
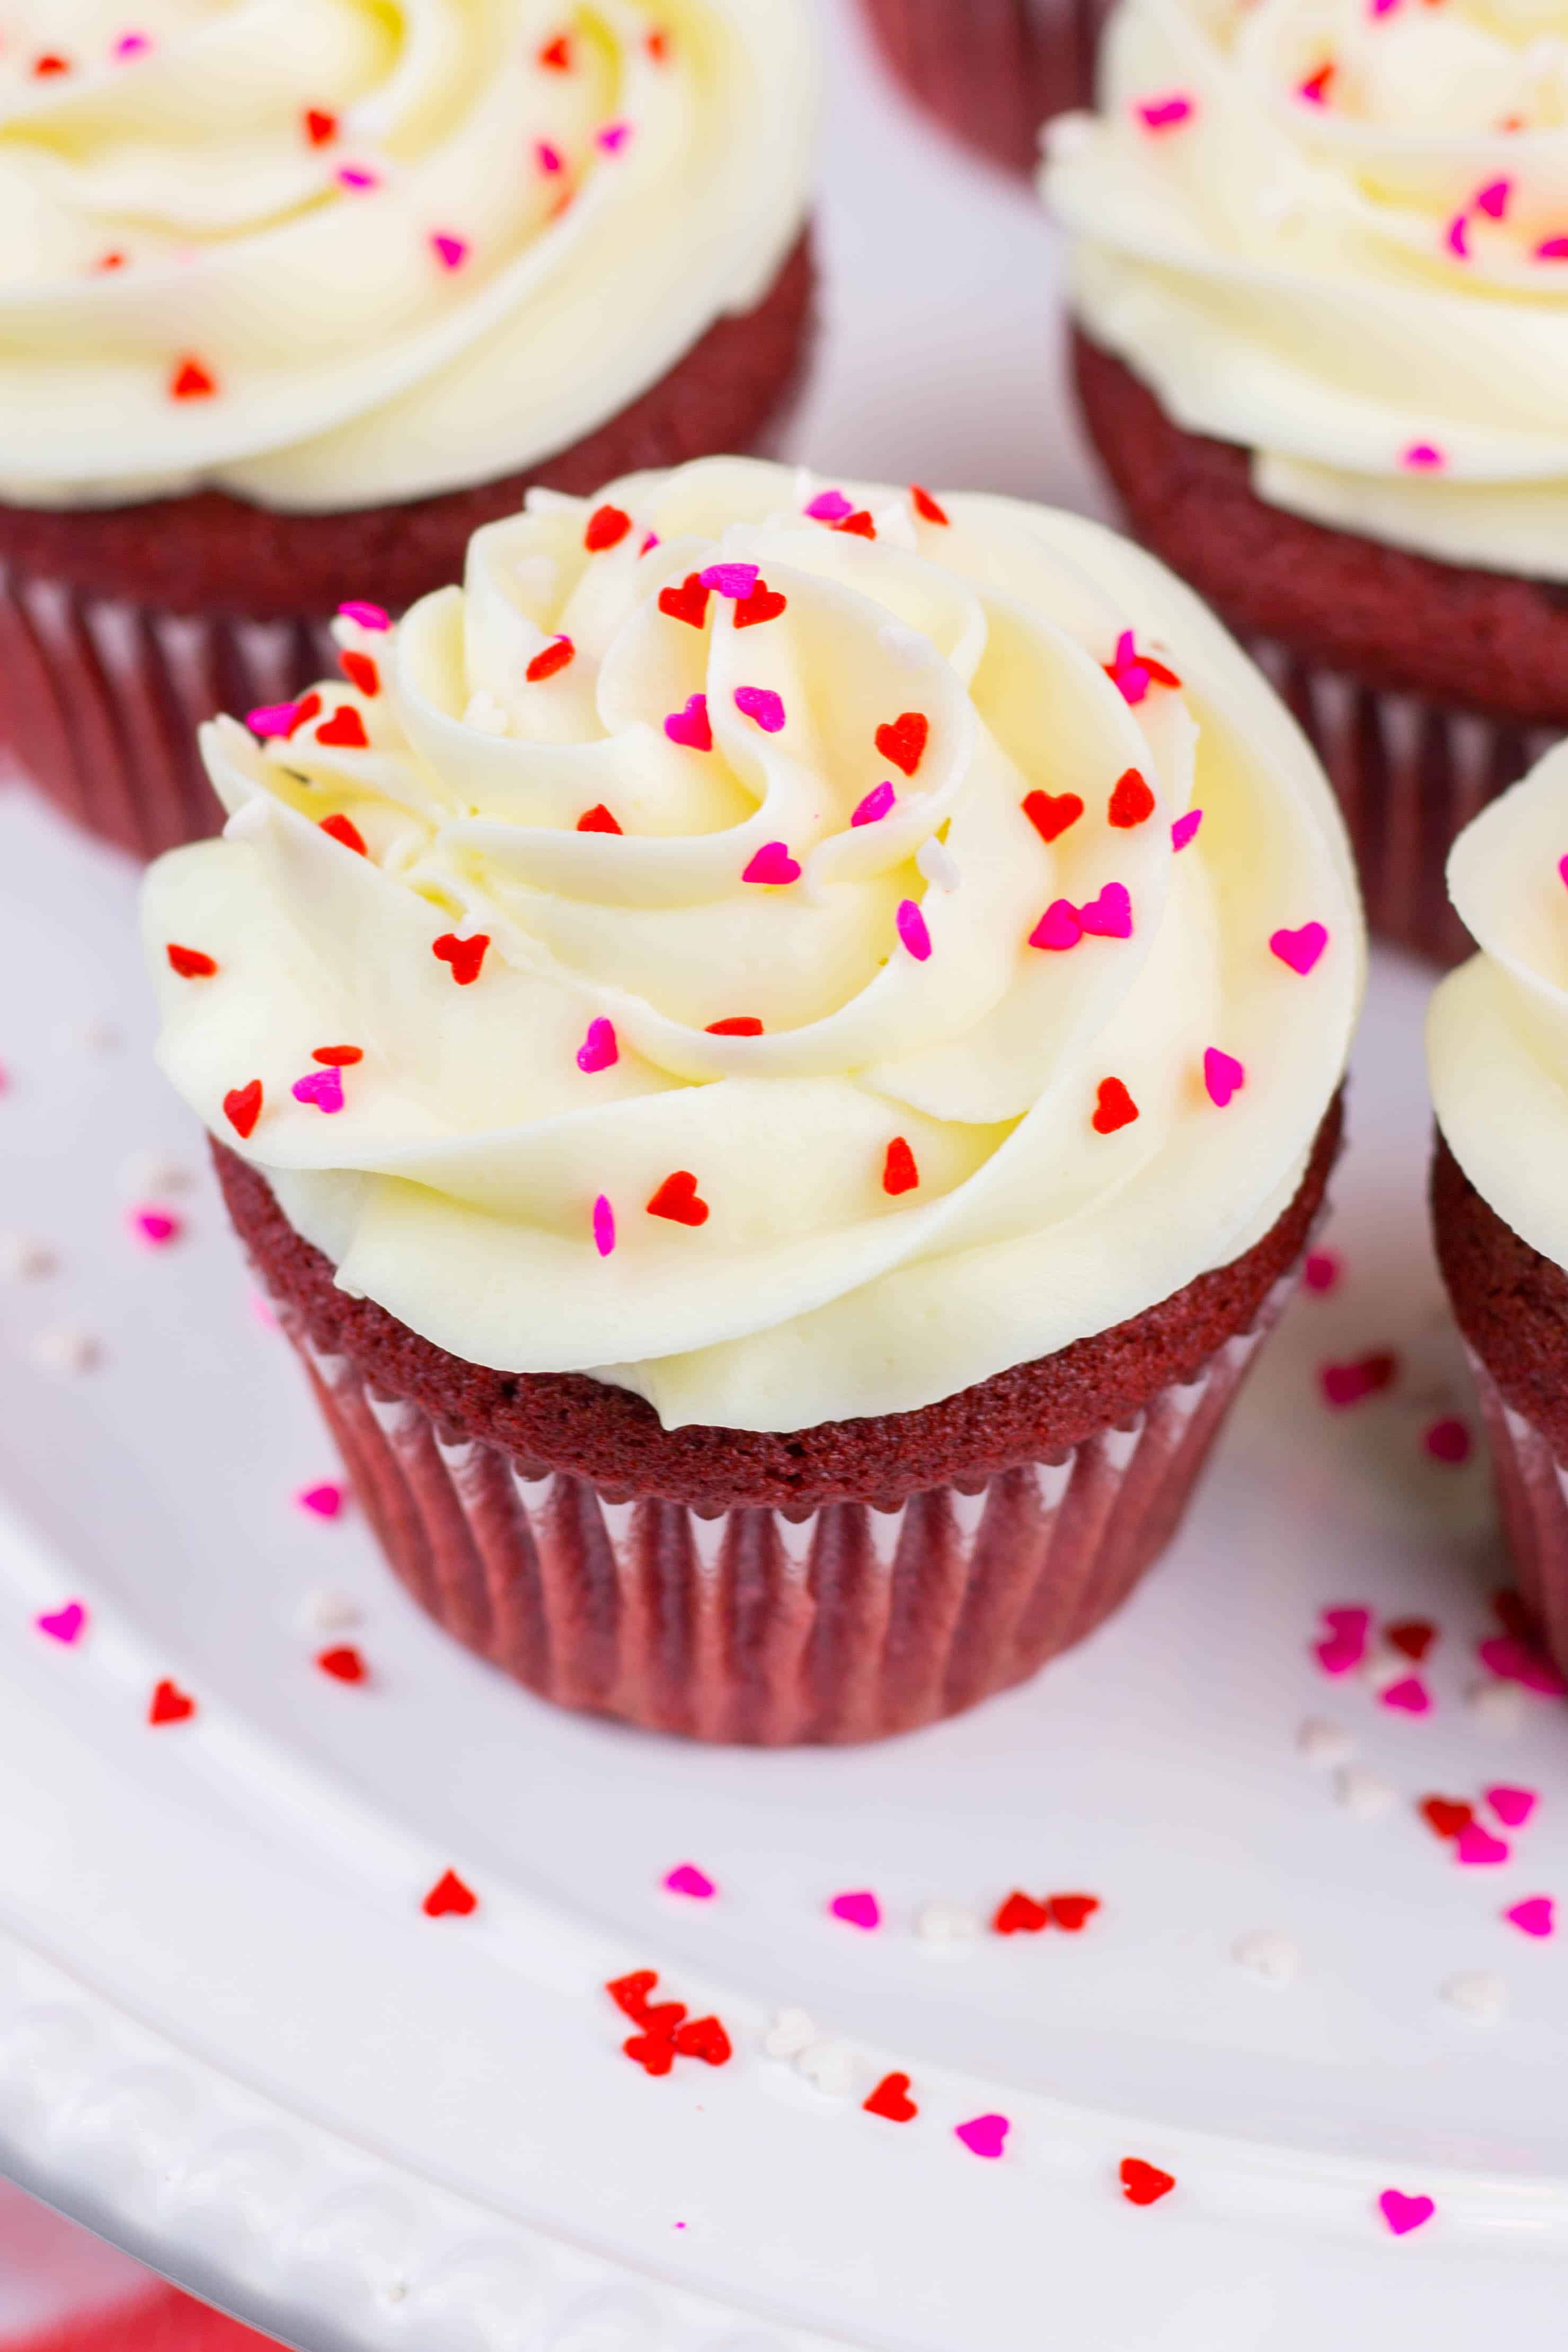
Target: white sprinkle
x=1381, y=1669
x=485, y=714
x=1324, y=1745
x=946, y=1926
x=67, y=1349
x=906, y=647
x=1496, y=1706
x=894, y=523
x=1268, y=1953
x=329, y=1612
x=25, y=1258
x=937, y=866
x=1363, y=1796
x=146, y=1175
x=829, y=2067
x=791, y=2032
x=1477, y=1994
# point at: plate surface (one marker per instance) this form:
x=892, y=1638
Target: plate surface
x=230, y=2038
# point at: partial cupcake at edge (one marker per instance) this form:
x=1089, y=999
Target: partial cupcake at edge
x=296, y=301
x=778, y=1092
x=1320, y=268
x=992, y=71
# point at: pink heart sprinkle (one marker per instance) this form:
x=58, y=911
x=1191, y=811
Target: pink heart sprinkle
x=1514, y=1807
x=133, y=44
x=759, y=702
x=1339, y=1657
x=860, y=1910
x=1477, y=1848
x=550, y=158
x=599, y=1050
x=155, y=1228
x=451, y=251
x=1403, y=2213
x=1164, y=113
x=322, y=1087
x=1322, y=1271
x=875, y=805
x=603, y=1226
x=1110, y=916
x=368, y=617
x=324, y=1501
x=1185, y=828
x=355, y=176
x=1493, y=199
x=912, y=930
x=1223, y=1075
x=773, y=865
x=1448, y=1441
x=735, y=581
x=1409, y=1695
x=65, y=1624
x=613, y=137
x=1457, y=239
x=1536, y=1915
x=271, y=719
x=690, y=727
x=1552, y=248
x=830, y=506
x=1300, y=950
x=1513, y=1663
x=1354, y=1623
x=1562, y=871
x=687, y=1879
x=1421, y=457
x=984, y=2134
x=1058, y=928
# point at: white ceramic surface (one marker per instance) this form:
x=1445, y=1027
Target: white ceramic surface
x=230, y=2040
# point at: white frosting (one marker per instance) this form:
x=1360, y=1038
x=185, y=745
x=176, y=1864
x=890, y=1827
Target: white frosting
x=1496, y=1035
x=457, y=1187
x=1353, y=285
x=548, y=230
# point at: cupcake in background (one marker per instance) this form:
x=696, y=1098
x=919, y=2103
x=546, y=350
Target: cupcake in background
x=993, y=72
x=300, y=296
x=776, y=1071
x=1497, y=1042
x=1321, y=274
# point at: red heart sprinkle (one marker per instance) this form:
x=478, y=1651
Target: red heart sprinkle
x=449, y=1894
x=319, y=126
x=242, y=1107
x=630, y=1993
x=1447, y=1815
x=344, y=1665
x=1020, y=1916
x=557, y=55
x=1115, y=1108
x=859, y=525
x=1345, y=1384
x=345, y=730
x=555, y=657
x=361, y=671
x=891, y=2099
x=658, y=47
x=705, y=2038
x=1413, y=1636
x=743, y=1026
x=1051, y=814
x=899, y=1173
x=1132, y=803
x=190, y=963
x=607, y=526
x=1072, y=1912
x=764, y=603
x=192, y=381
x=343, y=828
x=303, y=710
x=663, y=2017
x=655, y=2053
x=464, y=956
x=49, y=64
x=904, y=742
x=687, y=603
x=677, y=1200
x=170, y=1705
x=1144, y=2184
x=337, y=1058
x=597, y=819
x=925, y=506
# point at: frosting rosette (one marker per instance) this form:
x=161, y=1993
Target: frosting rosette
x=1336, y=232
x=1496, y=1035
x=327, y=254
x=790, y=950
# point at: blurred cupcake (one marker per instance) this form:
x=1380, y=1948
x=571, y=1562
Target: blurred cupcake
x=1321, y=270
x=300, y=297
x=992, y=71
x=1497, y=1044
x=775, y=1073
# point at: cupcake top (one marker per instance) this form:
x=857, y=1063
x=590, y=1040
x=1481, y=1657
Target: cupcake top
x=1496, y=1035
x=792, y=949
x=1336, y=233
x=328, y=253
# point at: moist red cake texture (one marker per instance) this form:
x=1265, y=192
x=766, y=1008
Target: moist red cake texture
x=992, y=71
x=1511, y=1303
x=121, y=629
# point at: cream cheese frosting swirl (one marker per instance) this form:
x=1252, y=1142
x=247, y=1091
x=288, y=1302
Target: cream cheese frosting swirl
x=1336, y=233
x=327, y=253
x=1497, y=1033
x=797, y=949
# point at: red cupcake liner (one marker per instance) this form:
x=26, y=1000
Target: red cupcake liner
x=1409, y=775
x=752, y=1627
x=993, y=72
x=1532, y=1498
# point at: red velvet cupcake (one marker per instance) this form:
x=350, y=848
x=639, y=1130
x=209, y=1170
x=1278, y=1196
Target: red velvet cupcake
x=776, y=1159
x=1318, y=274
x=993, y=72
x=337, y=312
